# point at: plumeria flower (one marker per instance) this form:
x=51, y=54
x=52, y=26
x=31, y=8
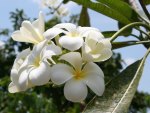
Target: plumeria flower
x=34, y=32
x=31, y=32
x=2, y=44
x=73, y=38
x=77, y=77
x=96, y=48
x=51, y=3
x=14, y=86
x=62, y=11
x=35, y=70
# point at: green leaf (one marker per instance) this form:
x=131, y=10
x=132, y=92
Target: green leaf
x=108, y=34
x=84, y=17
x=146, y=2
x=111, y=8
x=122, y=7
x=126, y=32
x=119, y=91
x=116, y=45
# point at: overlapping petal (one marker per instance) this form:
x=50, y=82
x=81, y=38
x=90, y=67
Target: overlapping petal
x=74, y=58
x=75, y=91
x=60, y=73
x=71, y=43
x=40, y=75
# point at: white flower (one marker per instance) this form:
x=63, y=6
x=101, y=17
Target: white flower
x=2, y=44
x=31, y=32
x=35, y=70
x=96, y=48
x=51, y=3
x=62, y=11
x=14, y=86
x=73, y=38
x=78, y=77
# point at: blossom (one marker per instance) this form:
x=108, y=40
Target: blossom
x=62, y=11
x=35, y=70
x=14, y=86
x=73, y=38
x=31, y=32
x=77, y=77
x=96, y=48
x=1, y=45
x=51, y=3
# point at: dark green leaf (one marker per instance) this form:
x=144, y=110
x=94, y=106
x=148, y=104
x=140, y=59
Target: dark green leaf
x=84, y=17
x=115, y=11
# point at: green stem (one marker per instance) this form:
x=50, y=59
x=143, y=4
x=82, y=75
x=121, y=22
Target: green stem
x=127, y=27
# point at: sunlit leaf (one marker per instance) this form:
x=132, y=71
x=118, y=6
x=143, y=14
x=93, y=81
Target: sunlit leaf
x=119, y=91
x=111, y=8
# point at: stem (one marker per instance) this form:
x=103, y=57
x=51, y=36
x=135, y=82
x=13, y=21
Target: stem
x=144, y=9
x=142, y=31
x=127, y=27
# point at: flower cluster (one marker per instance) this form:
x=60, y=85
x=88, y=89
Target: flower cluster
x=64, y=54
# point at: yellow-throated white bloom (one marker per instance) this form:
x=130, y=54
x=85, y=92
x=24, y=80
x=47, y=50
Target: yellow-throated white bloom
x=78, y=77
x=14, y=85
x=31, y=32
x=73, y=38
x=35, y=70
x=2, y=44
x=96, y=48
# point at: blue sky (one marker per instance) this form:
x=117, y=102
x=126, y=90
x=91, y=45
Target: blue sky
x=129, y=54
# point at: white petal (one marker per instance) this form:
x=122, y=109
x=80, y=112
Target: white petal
x=53, y=32
x=23, y=54
x=17, y=36
x=68, y=26
x=74, y=58
x=95, y=35
x=75, y=91
x=84, y=30
x=92, y=68
x=23, y=80
x=39, y=23
x=91, y=42
x=37, y=49
x=106, y=42
x=95, y=83
x=12, y=88
x=14, y=75
x=40, y=75
x=32, y=30
x=71, y=43
x=105, y=54
x=51, y=50
x=60, y=73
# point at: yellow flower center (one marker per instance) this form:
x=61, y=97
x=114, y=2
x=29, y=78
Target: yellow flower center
x=73, y=34
x=79, y=74
x=37, y=62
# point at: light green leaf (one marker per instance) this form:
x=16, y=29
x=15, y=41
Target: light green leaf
x=112, y=9
x=119, y=92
